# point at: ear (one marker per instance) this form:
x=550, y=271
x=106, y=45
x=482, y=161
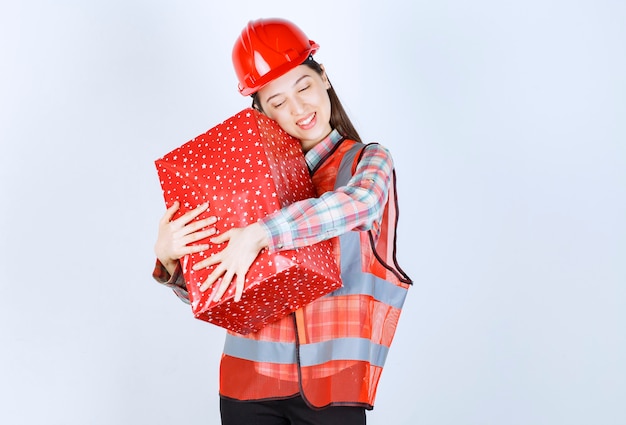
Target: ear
x=325, y=77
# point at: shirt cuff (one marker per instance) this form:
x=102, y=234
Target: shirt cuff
x=278, y=232
x=176, y=281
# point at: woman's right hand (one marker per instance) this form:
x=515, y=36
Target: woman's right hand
x=176, y=238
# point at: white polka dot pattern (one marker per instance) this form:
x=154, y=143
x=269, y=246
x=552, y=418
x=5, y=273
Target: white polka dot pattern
x=246, y=168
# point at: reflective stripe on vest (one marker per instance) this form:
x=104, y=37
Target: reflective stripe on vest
x=260, y=351
x=360, y=349
x=365, y=283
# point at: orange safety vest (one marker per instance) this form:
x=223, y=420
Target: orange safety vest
x=331, y=351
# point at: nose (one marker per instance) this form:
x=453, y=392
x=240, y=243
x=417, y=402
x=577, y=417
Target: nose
x=297, y=106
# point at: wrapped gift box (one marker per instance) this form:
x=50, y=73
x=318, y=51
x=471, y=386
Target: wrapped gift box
x=247, y=167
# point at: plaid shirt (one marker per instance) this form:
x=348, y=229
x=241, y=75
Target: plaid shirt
x=355, y=206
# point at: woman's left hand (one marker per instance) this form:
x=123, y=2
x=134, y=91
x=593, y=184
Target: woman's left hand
x=244, y=245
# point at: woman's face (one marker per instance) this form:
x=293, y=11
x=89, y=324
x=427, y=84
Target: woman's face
x=299, y=102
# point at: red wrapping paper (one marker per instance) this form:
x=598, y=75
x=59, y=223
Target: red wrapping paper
x=247, y=167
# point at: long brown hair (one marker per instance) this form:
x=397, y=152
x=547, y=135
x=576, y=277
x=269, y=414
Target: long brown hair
x=339, y=119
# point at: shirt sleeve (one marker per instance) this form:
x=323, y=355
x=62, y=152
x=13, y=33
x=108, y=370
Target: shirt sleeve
x=358, y=205
x=176, y=281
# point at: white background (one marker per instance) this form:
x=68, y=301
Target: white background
x=507, y=123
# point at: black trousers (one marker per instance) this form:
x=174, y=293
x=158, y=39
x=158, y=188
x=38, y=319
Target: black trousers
x=291, y=411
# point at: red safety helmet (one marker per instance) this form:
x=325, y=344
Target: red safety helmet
x=267, y=49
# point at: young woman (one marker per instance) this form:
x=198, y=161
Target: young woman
x=320, y=365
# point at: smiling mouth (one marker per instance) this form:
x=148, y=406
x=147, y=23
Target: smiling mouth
x=305, y=122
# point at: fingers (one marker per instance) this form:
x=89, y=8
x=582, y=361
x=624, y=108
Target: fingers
x=208, y=262
x=223, y=285
x=191, y=215
x=219, y=271
x=225, y=281
x=169, y=213
x=180, y=244
x=233, y=261
x=184, y=220
x=199, y=235
x=224, y=237
x=196, y=235
x=239, y=287
x=193, y=249
x=193, y=227
x=215, y=258
x=188, y=230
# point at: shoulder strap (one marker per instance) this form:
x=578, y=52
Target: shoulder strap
x=393, y=197
x=348, y=164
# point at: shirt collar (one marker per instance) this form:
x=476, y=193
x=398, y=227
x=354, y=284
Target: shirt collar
x=319, y=151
